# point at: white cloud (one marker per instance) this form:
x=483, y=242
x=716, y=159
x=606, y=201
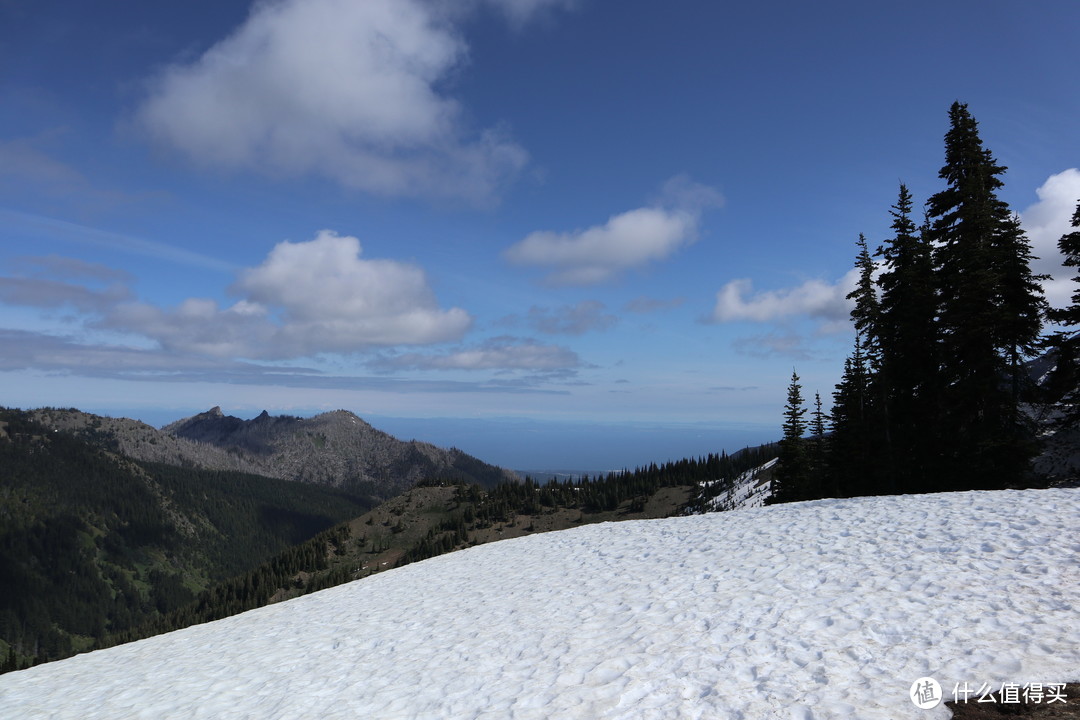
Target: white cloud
x=628, y=240
x=736, y=301
x=591, y=256
x=337, y=88
x=1045, y=222
x=304, y=299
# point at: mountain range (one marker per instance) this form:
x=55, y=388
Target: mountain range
x=335, y=449
x=107, y=524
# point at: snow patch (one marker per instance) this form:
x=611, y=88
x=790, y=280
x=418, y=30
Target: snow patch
x=747, y=491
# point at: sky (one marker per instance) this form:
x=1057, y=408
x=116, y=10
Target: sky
x=553, y=233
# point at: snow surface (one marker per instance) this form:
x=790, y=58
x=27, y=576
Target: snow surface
x=827, y=609
x=746, y=491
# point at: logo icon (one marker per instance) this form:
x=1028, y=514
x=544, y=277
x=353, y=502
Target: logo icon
x=925, y=693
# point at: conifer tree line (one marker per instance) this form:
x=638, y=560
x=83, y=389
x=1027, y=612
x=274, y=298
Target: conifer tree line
x=945, y=312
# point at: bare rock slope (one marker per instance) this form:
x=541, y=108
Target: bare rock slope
x=335, y=448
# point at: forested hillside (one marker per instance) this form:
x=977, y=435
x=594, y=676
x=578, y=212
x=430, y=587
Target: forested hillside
x=441, y=516
x=93, y=543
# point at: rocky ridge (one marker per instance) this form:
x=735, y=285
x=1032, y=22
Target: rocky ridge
x=336, y=449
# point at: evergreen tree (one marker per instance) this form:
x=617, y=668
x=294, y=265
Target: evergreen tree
x=1069, y=245
x=859, y=426
x=988, y=313
x=1065, y=380
x=851, y=447
x=1020, y=299
x=909, y=353
x=867, y=311
x=819, y=483
x=793, y=472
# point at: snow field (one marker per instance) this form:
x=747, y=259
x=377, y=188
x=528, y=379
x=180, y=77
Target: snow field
x=827, y=609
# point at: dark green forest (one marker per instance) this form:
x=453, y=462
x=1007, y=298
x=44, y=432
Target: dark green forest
x=333, y=556
x=97, y=549
x=93, y=544
x=933, y=395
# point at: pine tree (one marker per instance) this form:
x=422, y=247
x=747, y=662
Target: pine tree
x=909, y=353
x=988, y=312
x=793, y=471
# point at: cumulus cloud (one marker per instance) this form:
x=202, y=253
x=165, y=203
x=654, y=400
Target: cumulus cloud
x=352, y=91
x=628, y=240
x=586, y=316
x=305, y=298
x=1045, y=222
x=500, y=353
x=736, y=301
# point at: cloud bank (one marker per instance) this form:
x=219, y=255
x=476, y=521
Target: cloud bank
x=351, y=91
x=304, y=299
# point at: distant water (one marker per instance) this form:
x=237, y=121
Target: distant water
x=574, y=448
x=540, y=446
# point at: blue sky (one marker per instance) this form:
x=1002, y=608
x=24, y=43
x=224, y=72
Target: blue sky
x=555, y=233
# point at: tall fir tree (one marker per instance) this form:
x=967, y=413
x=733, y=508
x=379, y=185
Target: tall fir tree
x=1020, y=299
x=819, y=485
x=861, y=395
x=987, y=302
x=867, y=310
x=1065, y=343
x=852, y=452
x=1069, y=245
x=909, y=374
x=793, y=470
